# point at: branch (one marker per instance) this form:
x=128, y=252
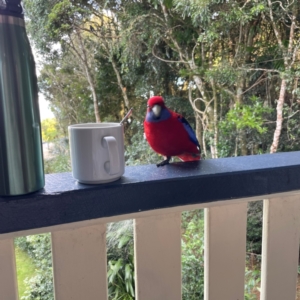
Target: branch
x=228, y=91
x=280, y=3
x=292, y=114
x=165, y=60
x=239, y=43
x=295, y=52
x=179, y=50
x=256, y=83
x=193, y=102
x=259, y=69
x=193, y=51
x=275, y=26
x=292, y=33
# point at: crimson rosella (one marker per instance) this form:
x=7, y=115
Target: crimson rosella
x=168, y=133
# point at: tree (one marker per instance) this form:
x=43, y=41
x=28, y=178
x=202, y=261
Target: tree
x=192, y=255
x=120, y=256
x=64, y=86
x=285, y=24
x=65, y=24
x=39, y=248
x=217, y=56
x=213, y=75
x=49, y=130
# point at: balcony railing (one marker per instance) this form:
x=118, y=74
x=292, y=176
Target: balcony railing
x=76, y=215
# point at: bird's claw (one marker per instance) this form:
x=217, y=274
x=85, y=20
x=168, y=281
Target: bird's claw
x=164, y=162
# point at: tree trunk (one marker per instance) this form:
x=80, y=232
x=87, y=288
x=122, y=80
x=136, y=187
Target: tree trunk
x=199, y=134
x=239, y=101
x=279, y=119
x=200, y=122
x=215, y=120
x=95, y=102
x=123, y=89
x=289, y=56
x=89, y=76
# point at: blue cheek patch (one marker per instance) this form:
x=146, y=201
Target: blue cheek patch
x=165, y=115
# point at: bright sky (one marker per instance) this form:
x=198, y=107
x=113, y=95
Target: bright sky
x=45, y=111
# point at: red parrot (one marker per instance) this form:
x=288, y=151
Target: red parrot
x=169, y=133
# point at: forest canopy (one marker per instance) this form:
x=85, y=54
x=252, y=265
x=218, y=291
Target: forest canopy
x=231, y=67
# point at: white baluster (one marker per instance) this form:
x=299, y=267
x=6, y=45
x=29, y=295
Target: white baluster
x=8, y=274
x=79, y=263
x=158, y=257
x=225, y=252
x=280, y=248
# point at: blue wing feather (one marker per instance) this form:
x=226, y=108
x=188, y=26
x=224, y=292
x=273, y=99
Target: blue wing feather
x=189, y=130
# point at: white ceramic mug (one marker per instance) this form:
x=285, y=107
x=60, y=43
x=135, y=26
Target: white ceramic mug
x=97, y=152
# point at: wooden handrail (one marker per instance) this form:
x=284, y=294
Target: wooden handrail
x=145, y=188
x=76, y=216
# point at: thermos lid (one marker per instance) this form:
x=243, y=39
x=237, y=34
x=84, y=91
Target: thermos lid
x=11, y=8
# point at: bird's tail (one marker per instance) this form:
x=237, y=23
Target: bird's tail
x=189, y=156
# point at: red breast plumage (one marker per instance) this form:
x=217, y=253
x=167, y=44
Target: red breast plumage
x=168, y=133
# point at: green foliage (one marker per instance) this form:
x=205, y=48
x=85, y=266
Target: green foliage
x=139, y=151
x=258, y=8
x=254, y=226
x=67, y=92
x=248, y=125
x=109, y=94
x=233, y=48
x=49, y=130
x=120, y=269
x=38, y=247
x=25, y=269
x=253, y=248
x=223, y=74
x=291, y=128
x=197, y=10
x=38, y=10
x=58, y=19
x=39, y=287
x=120, y=279
x=21, y=243
x=247, y=116
x=60, y=162
x=252, y=284
x=192, y=255
x=62, y=19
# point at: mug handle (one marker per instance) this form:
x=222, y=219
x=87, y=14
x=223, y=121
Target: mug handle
x=114, y=159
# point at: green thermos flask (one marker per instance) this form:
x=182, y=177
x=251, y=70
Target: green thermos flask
x=21, y=156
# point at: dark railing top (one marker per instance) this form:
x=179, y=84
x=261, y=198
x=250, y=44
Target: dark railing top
x=11, y=8
x=147, y=187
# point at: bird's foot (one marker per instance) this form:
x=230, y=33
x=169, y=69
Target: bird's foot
x=164, y=162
